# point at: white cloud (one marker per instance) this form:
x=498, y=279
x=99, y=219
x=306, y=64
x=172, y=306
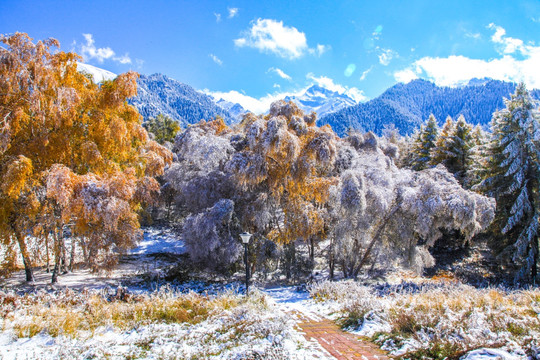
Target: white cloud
x=218, y=17
x=319, y=49
x=272, y=36
x=262, y=104
x=232, y=12
x=507, y=45
x=476, y=36
x=405, y=76
x=455, y=70
x=386, y=56
x=216, y=59
x=89, y=51
x=326, y=82
x=257, y=106
x=280, y=73
x=365, y=73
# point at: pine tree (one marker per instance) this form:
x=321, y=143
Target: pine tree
x=512, y=177
x=163, y=127
x=453, y=147
x=424, y=143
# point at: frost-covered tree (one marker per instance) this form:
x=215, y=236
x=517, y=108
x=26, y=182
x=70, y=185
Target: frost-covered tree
x=289, y=159
x=211, y=236
x=395, y=214
x=424, y=143
x=453, y=147
x=60, y=131
x=512, y=174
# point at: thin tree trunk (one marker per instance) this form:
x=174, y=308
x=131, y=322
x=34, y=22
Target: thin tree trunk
x=72, y=254
x=312, y=251
x=25, y=257
x=331, y=259
x=47, y=253
x=54, y=278
x=534, y=268
x=376, y=237
x=290, y=257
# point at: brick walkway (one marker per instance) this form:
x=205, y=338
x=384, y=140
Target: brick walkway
x=341, y=345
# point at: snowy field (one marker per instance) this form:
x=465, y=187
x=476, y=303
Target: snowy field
x=85, y=316
x=437, y=319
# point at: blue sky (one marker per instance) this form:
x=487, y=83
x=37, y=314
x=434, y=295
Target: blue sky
x=253, y=52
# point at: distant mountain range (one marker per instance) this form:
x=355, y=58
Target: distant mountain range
x=407, y=106
x=321, y=100
x=159, y=94
x=403, y=106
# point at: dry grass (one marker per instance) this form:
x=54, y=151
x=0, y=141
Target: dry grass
x=443, y=319
x=165, y=325
x=70, y=313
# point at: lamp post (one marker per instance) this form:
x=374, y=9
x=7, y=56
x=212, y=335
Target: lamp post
x=245, y=239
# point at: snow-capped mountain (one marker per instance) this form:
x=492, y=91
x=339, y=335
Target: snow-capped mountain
x=235, y=110
x=407, y=106
x=159, y=94
x=98, y=74
x=321, y=100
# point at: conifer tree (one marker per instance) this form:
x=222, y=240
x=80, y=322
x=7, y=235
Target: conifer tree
x=424, y=143
x=163, y=127
x=453, y=147
x=512, y=173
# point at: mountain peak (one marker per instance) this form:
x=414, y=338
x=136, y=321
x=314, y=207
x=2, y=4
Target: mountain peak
x=321, y=100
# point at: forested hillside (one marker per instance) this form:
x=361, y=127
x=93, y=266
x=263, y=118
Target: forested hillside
x=406, y=106
x=159, y=94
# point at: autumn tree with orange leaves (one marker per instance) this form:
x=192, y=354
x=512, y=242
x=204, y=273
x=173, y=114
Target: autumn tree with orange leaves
x=73, y=154
x=292, y=159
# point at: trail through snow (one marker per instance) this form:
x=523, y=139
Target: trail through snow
x=312, y=320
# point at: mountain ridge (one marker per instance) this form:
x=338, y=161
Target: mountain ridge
x=407, y=106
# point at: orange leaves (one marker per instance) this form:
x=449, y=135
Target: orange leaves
x=216, y=126
x=157, y=156
x=78, y=142
x=60, y=184
x=16, y=176
x=292, y=158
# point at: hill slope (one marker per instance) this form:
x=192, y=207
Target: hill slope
x=159, y=94
x=406, y=106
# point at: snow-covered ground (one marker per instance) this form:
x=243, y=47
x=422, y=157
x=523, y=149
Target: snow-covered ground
x=265, y=327
x=262, y=328
x=159, y=247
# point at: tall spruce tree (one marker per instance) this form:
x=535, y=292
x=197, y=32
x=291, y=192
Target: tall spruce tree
x=424, y=143
x=453, y=147
x=512, y=172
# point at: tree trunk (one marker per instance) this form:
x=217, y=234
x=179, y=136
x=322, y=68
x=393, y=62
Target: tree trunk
x=331, y=259
x=25, y=257
x=59, y=254
x=48, y=257
x=376, y=237
x=72, y=254
x=534, y=267
x=312, y=251
x=290, y=259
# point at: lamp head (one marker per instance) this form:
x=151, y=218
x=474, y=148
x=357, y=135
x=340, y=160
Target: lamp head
x=245, y=236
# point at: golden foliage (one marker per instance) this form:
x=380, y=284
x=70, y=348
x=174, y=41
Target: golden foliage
x=78, y=142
